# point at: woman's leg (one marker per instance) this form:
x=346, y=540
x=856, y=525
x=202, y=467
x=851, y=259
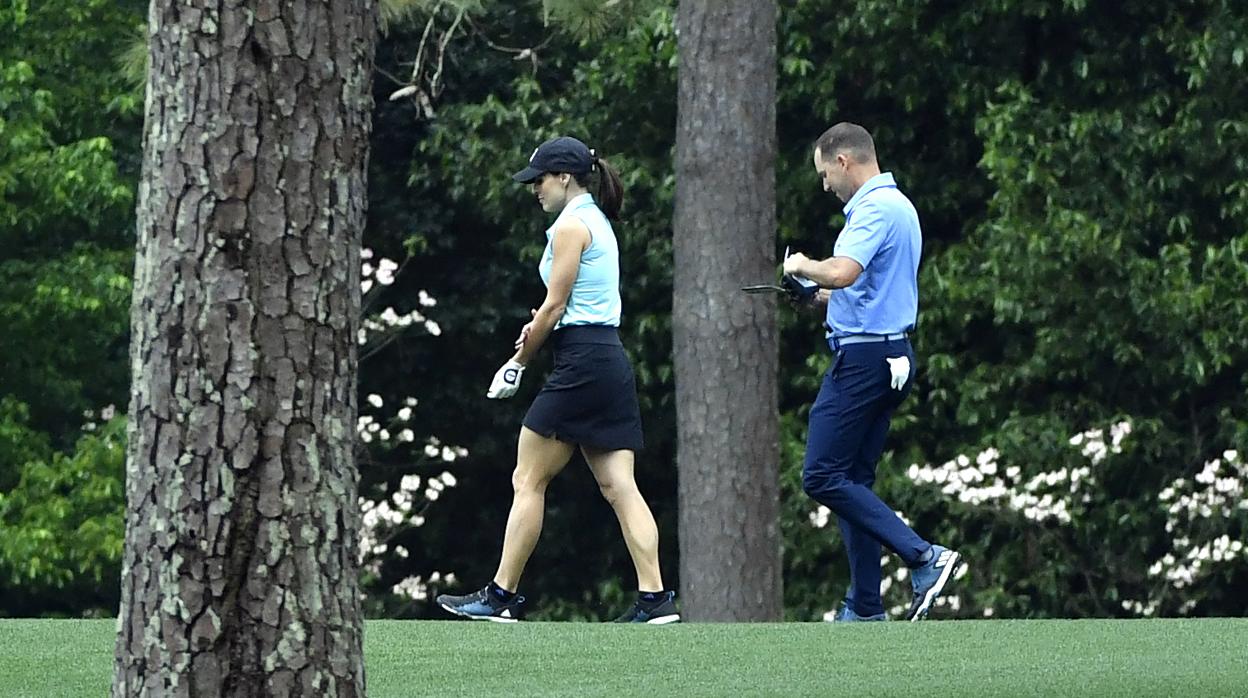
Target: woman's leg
x=538, y=461
x=614, y=472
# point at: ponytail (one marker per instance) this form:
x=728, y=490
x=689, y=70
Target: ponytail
x=610, y=190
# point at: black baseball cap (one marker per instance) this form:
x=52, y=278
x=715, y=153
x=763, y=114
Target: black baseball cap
x=562, y=154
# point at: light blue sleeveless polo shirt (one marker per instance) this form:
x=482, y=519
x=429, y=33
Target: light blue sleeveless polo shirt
x=595, y=296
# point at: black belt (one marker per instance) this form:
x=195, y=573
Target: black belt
x=585, y=334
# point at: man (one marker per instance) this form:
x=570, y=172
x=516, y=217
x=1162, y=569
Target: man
x=872, y=303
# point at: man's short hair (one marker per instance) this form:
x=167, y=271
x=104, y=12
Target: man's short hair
x=847, y=138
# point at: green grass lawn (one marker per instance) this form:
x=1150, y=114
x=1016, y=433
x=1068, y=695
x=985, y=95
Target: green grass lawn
x=1190, y=658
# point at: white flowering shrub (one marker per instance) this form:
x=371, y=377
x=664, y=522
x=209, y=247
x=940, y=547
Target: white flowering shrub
x=1045, y=496
x=414, y=463
x=1207, y=522
x=1069, y=528
x=378, y=329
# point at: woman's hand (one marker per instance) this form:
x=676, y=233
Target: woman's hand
x=506, y=380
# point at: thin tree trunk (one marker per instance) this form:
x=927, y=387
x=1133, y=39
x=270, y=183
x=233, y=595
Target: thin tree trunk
x=239, y=574
x=725, y=341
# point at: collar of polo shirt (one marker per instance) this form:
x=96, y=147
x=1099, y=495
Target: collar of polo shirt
x=880, y=181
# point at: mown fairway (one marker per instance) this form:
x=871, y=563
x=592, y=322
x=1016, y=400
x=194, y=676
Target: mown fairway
x=66, y=658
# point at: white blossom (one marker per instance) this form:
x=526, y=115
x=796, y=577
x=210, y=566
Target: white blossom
x=385, y=271
x=413, y=588
x=820, y=516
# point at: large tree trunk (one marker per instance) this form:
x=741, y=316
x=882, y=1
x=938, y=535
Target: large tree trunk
x=725, y=341
x=239, y=574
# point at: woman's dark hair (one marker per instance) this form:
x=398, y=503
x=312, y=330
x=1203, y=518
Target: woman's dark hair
x=610, y=191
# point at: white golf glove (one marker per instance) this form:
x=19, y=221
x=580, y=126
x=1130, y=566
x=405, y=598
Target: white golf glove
x=506, y=381
x=900, y=370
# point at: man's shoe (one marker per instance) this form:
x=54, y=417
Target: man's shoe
x=483, y=605
x=660, y=612
x=845, y=614
x=930, y=578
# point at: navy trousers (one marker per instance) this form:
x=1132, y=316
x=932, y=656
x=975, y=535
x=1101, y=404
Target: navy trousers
x=848, y=424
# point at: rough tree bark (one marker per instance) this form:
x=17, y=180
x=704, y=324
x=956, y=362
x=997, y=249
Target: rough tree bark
x=239, y=574
x=725, y=342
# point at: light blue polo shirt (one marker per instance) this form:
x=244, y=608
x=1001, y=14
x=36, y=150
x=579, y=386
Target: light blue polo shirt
x=595, y=296
x=882, y=234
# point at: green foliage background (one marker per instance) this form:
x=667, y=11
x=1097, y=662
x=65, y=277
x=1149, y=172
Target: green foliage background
x=1082, y=175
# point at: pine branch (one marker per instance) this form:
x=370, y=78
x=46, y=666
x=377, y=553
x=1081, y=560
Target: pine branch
x=132, y=59
x=595, y=18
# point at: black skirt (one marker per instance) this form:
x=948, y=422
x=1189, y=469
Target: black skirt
x=590, y=398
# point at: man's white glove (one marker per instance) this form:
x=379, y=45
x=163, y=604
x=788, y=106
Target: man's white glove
x=900, y=370
x=506, y=381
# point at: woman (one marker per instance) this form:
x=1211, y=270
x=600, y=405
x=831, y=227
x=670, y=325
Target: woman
x=590, y=400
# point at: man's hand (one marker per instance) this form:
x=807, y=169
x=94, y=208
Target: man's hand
x=794, y=263
x=800, y=289
x=899, y=368
x=506, y=381
x=834, y=272
x=524, y=331
x=817, y=301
